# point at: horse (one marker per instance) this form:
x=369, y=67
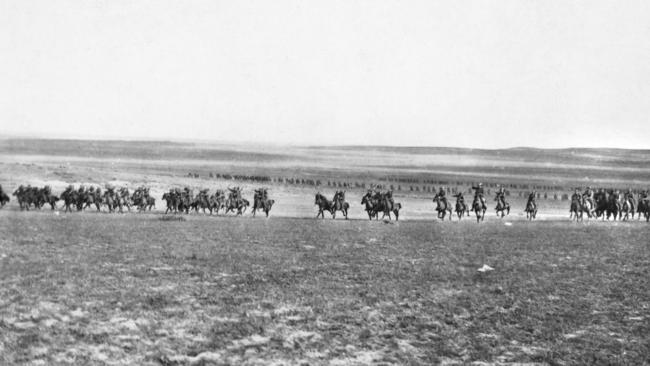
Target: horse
x=580, y=206
x=202, y=201
x=323, y=204
x=172, y=206
x=614, y=206
x=531, y=210
x=4, y=199
x=339, y=204
x=370, y=207
x=479, y=209
x=70, y=198
x=503, y=207
x=644, y=206
x=442, y=207
x=461, y=208
x=52, y=200
x=240, y=205
x=627, y=209
x=217, y=202
x=264, y=205
x=90, y=199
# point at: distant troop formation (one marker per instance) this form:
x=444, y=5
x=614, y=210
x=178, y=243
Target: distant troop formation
x=601, y=203
x=609, y=203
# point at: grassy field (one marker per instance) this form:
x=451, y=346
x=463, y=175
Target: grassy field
x=133, y=289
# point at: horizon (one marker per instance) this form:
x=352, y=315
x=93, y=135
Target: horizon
x=4, y=136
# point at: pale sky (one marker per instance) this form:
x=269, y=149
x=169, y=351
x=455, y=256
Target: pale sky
x=488, y=74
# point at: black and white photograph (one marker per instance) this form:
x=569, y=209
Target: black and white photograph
x=324, y=182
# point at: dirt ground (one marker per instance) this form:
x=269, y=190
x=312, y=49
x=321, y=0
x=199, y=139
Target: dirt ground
x=136, y=290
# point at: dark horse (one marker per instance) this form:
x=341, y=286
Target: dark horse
x=442, y=208
x=323, y=205
x=479, y=209
x=531, y=210
x=4, y=199
x=262, y=204
x=370, y=206
x=503, y=207
x=339, y=204
x=461, y=208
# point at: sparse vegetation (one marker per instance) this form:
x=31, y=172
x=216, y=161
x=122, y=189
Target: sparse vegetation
x=91, y=289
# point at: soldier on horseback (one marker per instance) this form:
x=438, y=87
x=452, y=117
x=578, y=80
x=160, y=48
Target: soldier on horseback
x=531, y=198
x=460, y=198
x=501, y=196
x=588, y=195
x=442, y=195
x=478, y=195
x=261, y=194
x=629, y=196
x=576, y=195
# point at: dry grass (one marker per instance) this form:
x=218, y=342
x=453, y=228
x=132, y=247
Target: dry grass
x=132, y=289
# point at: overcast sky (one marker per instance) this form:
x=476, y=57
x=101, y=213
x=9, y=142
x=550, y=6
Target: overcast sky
x=489, y=74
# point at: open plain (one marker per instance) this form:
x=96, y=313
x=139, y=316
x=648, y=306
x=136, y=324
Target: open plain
x=115, y=289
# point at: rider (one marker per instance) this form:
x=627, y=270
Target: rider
x=460, y=198
x=531, y=198
x=478, y=195
x=442, y=194
x=501, y=196
x=589, y=195
x=629, y=196
x=576, y=195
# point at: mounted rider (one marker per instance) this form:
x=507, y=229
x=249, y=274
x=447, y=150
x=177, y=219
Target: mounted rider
x=479, y=195
x=460, y=198
x=531, y=198
x=442, y=195
x=576, y=195
x=629, y=196
x=588, y=195
x=501, y=196
x=261, y=194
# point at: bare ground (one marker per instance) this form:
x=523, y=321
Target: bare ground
x=132, y=289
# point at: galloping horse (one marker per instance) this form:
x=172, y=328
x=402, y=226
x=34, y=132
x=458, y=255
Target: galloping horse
x=461, y=208
x=442, y=208
x=264, y=205
x=479, y=209
x=90, y=199
x=503, y=207
x=4, y=199
x=531, y=210
x=580, y=206
x=240, y=205
x=323, y=204
x=339, y=204
x=627, y=209
x=644, y=208
x=370, y=207
x=70, y=198
x=172, y=206
x=614, y=206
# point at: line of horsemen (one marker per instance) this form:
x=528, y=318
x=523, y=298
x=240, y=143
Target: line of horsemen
x=184, y=200
x=610, y=203
x=84, y=197
x=601, y=203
